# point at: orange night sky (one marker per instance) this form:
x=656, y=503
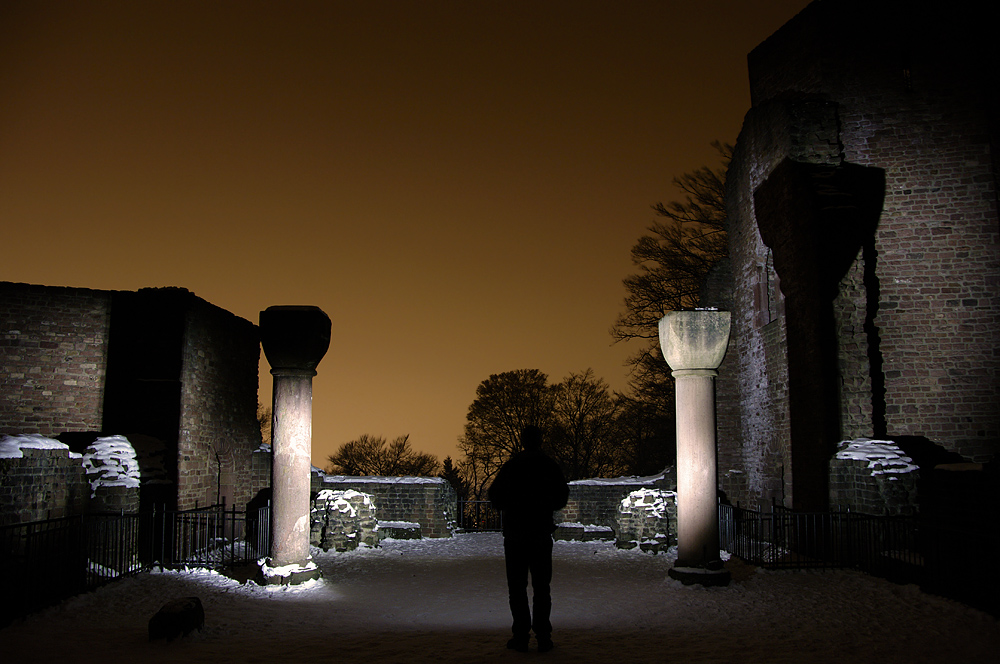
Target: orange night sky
x=458, y=185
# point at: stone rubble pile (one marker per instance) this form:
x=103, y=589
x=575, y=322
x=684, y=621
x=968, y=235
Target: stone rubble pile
x=644, y=520
x=342, y=520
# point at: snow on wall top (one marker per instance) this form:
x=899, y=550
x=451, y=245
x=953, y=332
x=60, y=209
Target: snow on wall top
x=374, y=479
x=11, y=446
x=111, y=460
x=628, y=480
x=883, y=456
x=338, y=500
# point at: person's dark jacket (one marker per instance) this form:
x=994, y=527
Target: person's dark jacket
x=528, y=489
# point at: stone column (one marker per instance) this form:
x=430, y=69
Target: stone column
x=294, y=339
x=694, y=344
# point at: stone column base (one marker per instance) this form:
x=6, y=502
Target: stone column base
x=287, y=575
x=700, y=575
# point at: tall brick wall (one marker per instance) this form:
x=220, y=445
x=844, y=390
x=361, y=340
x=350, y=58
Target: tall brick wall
x=174, y=373
x=752, y=461
x=908, y=88
x=53, y=353
x=717, y=292
x=916, y=94
x=219, y=432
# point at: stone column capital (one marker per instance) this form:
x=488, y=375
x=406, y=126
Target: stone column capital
x=294, y=338
x=694, y=340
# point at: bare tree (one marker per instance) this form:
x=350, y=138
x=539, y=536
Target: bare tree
x=584, y=436
x=505, y=403
x=673, y=261
x=647, y=435
x=372, y=455
x=450, y=472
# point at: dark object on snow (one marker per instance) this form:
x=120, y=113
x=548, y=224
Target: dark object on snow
x=179, y=616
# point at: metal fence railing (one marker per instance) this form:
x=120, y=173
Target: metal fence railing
x=58, y=558
x=211, y=537
x=478, y=516
x=782, y=538
x=52, y=560
x=941, y=557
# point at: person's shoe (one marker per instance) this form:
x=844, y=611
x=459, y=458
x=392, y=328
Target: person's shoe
x=520, y=645
x=545, y=644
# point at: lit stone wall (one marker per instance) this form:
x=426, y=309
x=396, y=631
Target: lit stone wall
x=219, y=432
x=53, y=354
x=916, y=317
x=429, y=501
x=42, y=484
x=160, y=365
x=595, y=501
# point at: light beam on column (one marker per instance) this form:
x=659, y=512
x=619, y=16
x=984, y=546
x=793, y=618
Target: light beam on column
x=694, y=344
x=295, y=339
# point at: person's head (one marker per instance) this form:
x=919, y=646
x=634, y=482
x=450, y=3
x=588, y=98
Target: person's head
x=531, y=438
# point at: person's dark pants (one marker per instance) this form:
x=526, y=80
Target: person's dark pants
x=524, y=555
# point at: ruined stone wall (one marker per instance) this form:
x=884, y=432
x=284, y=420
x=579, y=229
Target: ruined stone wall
x=755, y=451
x=160, y=365
x=53, y=351
x=874, y=477
x=915, y=89
x=851, y=312
x=219, y=432
x=429, y=501
x=908, y=89
x=42, y=484
x=595, y=501
x=717, y=292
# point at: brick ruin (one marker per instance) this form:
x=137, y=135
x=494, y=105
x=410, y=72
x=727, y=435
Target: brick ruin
x=177, y=377
x=864, y=249
x=428, y=501
x=173, y=373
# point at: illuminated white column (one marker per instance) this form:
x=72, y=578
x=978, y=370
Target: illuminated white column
x=694, y=344
x=291, y=436
x=294, y=339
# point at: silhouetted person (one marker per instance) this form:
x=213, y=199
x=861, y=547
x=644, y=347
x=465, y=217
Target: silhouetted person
x=527, y=490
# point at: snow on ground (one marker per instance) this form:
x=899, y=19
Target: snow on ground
x=444, y=600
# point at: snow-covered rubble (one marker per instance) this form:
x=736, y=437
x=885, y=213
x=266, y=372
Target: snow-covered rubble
x=111, y=461
x=884, y=457
x=645, y=518
x=342, y=520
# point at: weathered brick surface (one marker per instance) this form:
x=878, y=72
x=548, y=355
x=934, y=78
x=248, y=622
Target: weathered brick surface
x=219, y=432
x=595, y=502
x=752, y=455
x=853, y=486
x=53, y=352
x=429, y=501
x=161, y=365
x=904, y=88
x=43, y=484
